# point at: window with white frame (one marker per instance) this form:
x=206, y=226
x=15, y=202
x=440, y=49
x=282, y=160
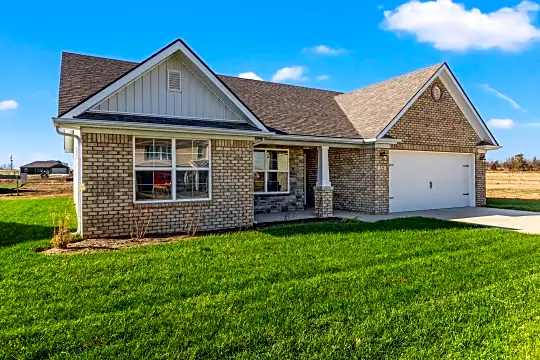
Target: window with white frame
x=162, y=174
x=271, y=171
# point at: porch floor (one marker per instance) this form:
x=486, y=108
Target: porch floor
x=309, y=214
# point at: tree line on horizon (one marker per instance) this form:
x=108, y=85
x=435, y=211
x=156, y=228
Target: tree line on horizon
x=517, y=162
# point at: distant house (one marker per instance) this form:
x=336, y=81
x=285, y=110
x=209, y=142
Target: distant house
x=49, y=166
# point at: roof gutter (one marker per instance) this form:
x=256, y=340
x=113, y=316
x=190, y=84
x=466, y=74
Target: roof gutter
x=331, y=140
x=149, y=126
x=71, y=122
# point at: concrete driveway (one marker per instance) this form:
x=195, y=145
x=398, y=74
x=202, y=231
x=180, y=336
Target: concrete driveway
x=523, y=221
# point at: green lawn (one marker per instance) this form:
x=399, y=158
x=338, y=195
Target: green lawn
x=514, y=204
x=413, y=288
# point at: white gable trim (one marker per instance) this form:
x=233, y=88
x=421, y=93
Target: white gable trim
x=463, y=102
x=148, y=65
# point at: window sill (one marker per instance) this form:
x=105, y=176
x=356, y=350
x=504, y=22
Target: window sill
x=272, y=193
x=143, y=202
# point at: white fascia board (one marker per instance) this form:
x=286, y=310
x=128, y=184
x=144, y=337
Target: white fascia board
x=77, y=123
x=452, y=85
x=148, y=65
x=488, y=147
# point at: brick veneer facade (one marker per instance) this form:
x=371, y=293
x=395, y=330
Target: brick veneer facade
x=294, y=200
x=108, y=208
x=480, y=184
x=324, y=201
x=430, y=125
x=360, y=180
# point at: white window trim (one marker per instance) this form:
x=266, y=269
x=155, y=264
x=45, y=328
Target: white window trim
x=169, y=71
x=266, y=171
x=173, y=169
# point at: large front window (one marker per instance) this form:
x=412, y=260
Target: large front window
x=162, y=174
x=271, y=171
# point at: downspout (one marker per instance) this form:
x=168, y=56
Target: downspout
x=79, y=176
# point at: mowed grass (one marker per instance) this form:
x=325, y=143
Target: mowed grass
x=514, y=204
x=409, y=288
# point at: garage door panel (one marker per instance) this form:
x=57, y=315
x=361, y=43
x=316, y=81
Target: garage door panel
x=411, y=174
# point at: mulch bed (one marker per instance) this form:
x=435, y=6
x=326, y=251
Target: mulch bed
x=93, y=245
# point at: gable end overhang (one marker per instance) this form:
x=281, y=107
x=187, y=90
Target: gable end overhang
x=149, y=63
x=458, y=94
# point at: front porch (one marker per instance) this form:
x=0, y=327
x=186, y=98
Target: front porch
x=307, y=214
x=319, y=181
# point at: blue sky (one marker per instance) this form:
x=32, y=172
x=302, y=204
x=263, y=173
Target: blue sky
x=493, y=50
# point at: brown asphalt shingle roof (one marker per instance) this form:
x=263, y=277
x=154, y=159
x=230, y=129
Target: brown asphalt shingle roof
x=371, y=108
x=282, y=108
x=83, y=75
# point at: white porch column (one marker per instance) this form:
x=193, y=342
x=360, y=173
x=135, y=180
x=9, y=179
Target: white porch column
x=323, y=170
x=324, y=192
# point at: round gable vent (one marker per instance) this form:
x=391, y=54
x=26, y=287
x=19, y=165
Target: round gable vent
x=436, y=93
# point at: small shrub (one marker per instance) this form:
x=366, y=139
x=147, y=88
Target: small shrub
x=138, y=231
x=193, y=219
x=61, y=234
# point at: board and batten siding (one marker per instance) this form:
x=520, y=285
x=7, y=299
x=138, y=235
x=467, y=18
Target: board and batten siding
x=148, y=95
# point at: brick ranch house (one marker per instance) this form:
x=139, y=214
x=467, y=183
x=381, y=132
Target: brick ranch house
x=169, y=137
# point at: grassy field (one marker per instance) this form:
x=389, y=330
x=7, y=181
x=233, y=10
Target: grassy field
x=37, y=187
x=513, y=190
x=513, y=185
x=414, y=288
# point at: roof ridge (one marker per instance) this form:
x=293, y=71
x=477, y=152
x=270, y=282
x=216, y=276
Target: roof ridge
x=99, y=57
x=282, y=84
x=436, y=65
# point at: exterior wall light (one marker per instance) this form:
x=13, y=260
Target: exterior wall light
x=383, y=154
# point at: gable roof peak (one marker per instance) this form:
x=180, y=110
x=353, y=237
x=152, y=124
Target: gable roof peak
x=372, y=108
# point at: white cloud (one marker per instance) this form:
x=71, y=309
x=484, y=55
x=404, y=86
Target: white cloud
x=250, y=75
x=291, y=73
x=8, y=105
x=501, y=123
x=322, y=77
x=450, y=26
x=325, y=50
x=502, y=96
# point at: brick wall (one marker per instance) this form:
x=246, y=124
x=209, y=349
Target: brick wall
x=294, y=200
x=360, y=180
x=480, y=180
x=431, y=125
x=108, y=208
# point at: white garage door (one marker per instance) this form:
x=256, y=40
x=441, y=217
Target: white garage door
x=426, y=180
